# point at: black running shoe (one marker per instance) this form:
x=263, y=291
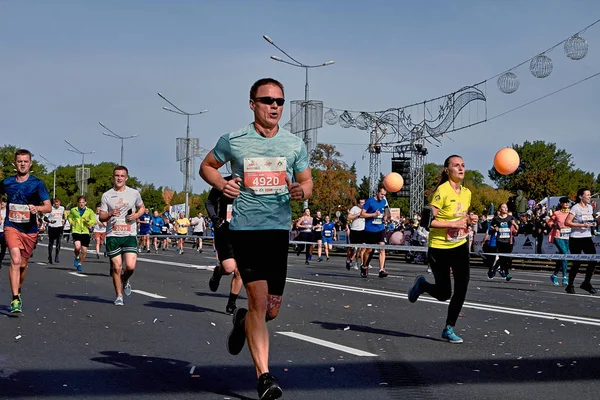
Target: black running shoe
x=588, y=288
x=50, y=260
x=364, y=271
x=570, y=289
x=230, y=308
x=348, y=265
x=383, y=273
x=215, y=279
x=237, y=336
x=268, y=387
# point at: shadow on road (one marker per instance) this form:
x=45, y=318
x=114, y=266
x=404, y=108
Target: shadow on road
x=94, y=299
x=368, y=329
x=181, y=307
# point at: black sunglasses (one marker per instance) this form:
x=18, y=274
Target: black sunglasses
x=268, y=100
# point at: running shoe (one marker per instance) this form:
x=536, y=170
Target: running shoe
x=554, y=279
x=383, y=273
x=491, y=275
x=50, y=260
x=79, y=267
x=56, y=260
x=348, y=265
x=15, y=306
x=416, y=291
x=429, y=271
x=148, y=250
x=587, y=286
x=76, y=262
x=502, y=273
x=127, y=288
x=215, y=279
x=508, y=277
x=119, y=301
x=307, y=262
x=448, y=334
x=97, y=256
x=565, y=280
x=268, y=387
x=327, y=259
x=237, y=336
x=230, y=308
x=364, y=271
x=320, y=259
x=570, y=289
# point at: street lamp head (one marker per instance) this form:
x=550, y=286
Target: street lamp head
x=168, y=109
x=276, y=58
x=329, y=62
x=268, y=39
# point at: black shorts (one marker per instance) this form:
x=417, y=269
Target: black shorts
x=317, y=235
x=273, y=269
x=357, y=237
x=84, y=238
x=55, y=233
x=155, y=233
x=223, y=242
x=374, y=237
x=304, y=237
x=198, y=233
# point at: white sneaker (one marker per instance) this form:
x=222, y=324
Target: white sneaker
x=119, y=301
x=127, y=289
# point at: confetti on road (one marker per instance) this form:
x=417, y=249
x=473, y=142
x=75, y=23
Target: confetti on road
x=347, y=328
x=213, y=324
x=507, y=332
x=346, y=306
x=332, y=369
x=155, y=319
x=18, y=337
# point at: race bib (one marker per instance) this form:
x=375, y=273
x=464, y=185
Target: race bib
x=504, y=233
x=19, y=213
x=327, y=233
x=57, y=215
x=456, y=234
x=265, y=175
x=565, y=233
x=121, y=226
x=378, y=220
x=587, y=218
x=229, y=212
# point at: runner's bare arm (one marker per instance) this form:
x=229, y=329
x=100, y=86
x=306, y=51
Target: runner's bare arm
x=209, y=171
x=302, y=188
x=46, y=207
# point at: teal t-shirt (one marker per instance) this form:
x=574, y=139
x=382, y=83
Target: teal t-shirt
x=252, y=210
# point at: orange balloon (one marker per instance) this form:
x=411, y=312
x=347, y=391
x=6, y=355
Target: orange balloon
x=393, y=182
x=506, y=161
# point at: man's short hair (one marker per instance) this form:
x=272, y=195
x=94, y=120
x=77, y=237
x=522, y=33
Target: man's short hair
x=121, y=168
x=56, y=199
x=22, y=152
x=262, y=82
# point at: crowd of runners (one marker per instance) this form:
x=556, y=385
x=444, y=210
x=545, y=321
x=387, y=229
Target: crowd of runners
x=251, y=207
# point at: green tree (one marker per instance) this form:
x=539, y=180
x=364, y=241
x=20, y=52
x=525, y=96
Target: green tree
x=333, y=183
x=152, y=197
x=363, y=188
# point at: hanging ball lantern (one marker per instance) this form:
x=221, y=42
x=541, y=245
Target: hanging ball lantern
x=331, y=117
x=361, y=121
x=508, y=82
x=540, y=66
x=576, y=47
x=346, y=120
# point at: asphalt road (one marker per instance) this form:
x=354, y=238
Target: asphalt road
x=337, y=335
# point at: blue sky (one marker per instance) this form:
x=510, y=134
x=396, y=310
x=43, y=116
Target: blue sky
x=66, y=65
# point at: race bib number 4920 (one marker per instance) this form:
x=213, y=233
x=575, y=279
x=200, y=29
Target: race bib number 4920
x=265, y=175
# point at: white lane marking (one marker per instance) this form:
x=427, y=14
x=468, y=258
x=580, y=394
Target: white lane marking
x=331, y=345
x=153, y=295
x=77, y=274
x=523, y=280
x=41, y=263
x=477, y=306
x=588, y=296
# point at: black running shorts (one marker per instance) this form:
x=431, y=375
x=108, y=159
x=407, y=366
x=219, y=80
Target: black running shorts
x=357, y=237
x=271, y=266
x=374, y=237
x=223, y=242
x=84, y=238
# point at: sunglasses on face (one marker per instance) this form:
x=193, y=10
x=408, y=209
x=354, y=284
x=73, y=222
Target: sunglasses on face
x=269, y=100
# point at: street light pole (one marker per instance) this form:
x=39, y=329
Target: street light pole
x=296, y=63
x=115, y=136
x=187, y=179
x=76, y=150
x=54, y=179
